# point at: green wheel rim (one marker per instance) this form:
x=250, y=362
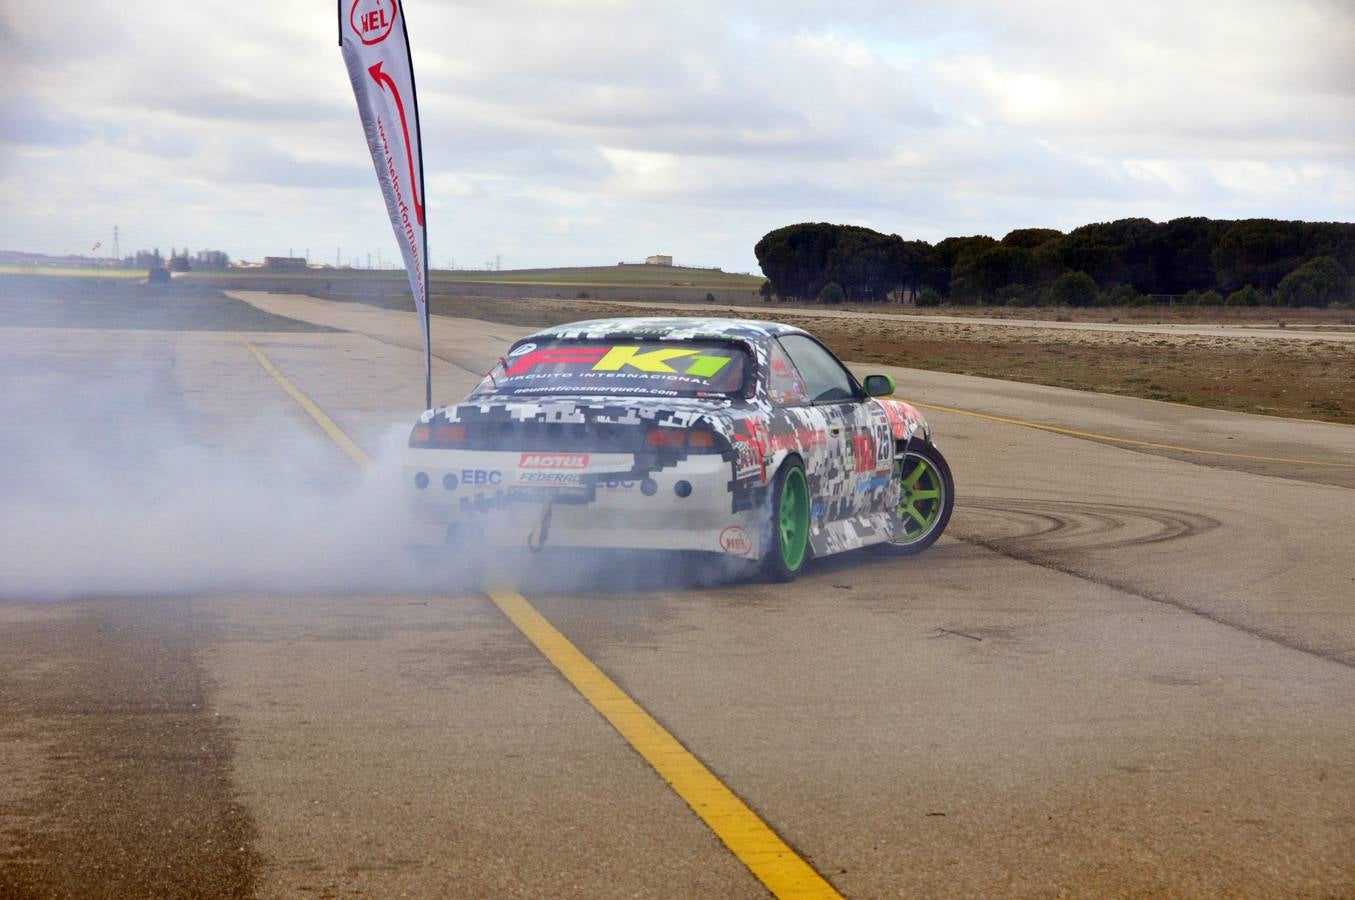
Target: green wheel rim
x=922, y=496
x=794, y=518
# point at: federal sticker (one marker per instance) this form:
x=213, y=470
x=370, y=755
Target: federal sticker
x=550, y=479
x=735, y=541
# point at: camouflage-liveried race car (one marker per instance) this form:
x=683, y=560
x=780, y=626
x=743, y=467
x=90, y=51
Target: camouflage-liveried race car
x=743, y=438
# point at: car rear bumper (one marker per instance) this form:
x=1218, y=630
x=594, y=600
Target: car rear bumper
x=595, y=500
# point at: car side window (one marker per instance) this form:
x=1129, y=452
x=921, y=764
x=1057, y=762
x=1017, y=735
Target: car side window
x=785, y=387
x=824, y=377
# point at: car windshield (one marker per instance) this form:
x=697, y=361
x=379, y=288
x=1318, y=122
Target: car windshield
x=629, y=367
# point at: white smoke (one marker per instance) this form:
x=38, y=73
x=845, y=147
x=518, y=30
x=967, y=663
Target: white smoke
x=104, y=492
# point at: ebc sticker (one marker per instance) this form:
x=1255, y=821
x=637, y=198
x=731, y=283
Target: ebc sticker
x=521, y=349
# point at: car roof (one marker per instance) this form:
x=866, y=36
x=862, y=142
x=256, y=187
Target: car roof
x=671, y=328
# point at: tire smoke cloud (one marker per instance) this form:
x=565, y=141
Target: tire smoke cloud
x=105, y=490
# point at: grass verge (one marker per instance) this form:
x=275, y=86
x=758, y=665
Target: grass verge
x=1302, y=379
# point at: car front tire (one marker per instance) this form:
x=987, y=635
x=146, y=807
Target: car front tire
x=926, y=499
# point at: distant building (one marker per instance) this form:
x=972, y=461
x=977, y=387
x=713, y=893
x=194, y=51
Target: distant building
x=658, y=260
x=285, y=263
x=35, y=260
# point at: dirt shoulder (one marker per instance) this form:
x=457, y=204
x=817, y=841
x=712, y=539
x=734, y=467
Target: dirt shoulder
x=1312, y=379
x=1303, y=379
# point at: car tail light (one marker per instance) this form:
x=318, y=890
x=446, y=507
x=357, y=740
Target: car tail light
x=441, y=435
x=666, y=439
x=678, y=439
x=701, y=440
x=449, y=435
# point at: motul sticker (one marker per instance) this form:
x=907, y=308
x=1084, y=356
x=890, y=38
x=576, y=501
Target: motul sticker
x=553, y=461
x=735, y=540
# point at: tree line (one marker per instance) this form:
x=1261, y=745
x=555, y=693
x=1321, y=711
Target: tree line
x=1247, y=262
x=177, y=262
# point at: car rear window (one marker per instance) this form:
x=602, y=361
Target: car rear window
x=623, y=367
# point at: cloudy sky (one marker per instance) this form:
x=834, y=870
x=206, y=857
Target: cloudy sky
x=590, y=131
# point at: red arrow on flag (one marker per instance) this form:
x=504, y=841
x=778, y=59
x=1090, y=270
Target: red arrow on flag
x=384, y=80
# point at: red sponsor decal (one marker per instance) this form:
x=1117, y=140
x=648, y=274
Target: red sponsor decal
x=556, y=356
x=735, y=540
x=553, y=461
x=864, y=447
x=900, y=414
x=766, y=442
x=372, y=20
x=756, y=441
x=798, y=440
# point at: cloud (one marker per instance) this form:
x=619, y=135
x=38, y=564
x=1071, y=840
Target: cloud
x=1238, y=76
x=38, y=129
x=579, y=132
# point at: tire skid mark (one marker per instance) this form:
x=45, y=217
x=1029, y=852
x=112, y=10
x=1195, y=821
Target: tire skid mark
x=1050, y=560
x=1077, y=525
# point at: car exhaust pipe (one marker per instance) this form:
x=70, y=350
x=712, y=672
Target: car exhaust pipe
x=536, y=539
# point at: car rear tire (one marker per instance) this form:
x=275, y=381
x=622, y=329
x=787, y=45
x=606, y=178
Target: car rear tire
x=926, y=498
x=788, y=542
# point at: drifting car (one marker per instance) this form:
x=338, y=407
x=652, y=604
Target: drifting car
x=741, y=438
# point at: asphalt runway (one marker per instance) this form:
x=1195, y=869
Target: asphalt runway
x=1128, y=669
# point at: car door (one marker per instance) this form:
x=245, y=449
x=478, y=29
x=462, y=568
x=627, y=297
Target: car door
x=851, y=453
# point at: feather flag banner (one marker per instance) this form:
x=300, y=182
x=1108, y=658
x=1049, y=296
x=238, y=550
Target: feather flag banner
x=375, y=45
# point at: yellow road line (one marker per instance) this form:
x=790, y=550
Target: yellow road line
x=1132, y=442
x=750, y=839
x=355, y=453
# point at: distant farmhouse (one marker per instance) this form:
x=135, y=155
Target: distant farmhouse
x=659, y=261
x=285, y=263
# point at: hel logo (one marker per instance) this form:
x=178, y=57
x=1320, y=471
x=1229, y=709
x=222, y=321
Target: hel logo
x=553, y=461
x=372, y=20
x=735, y=540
